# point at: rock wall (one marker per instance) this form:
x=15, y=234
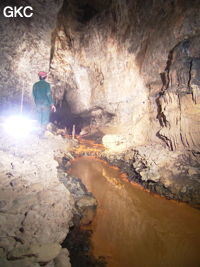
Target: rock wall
x=180, y=99
x=134, y=60
x=25, y=45
x=97, y=72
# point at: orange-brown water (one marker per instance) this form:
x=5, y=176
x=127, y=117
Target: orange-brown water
x=133, y=228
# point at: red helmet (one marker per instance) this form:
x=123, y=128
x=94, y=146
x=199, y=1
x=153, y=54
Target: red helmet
x=42, y=74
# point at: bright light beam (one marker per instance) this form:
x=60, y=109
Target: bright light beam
x=18, y=126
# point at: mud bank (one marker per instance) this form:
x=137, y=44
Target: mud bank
x=171, y=178
x=174, y=175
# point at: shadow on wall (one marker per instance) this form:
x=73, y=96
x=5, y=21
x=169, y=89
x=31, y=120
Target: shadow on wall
x=64, y=118
x=93, y=118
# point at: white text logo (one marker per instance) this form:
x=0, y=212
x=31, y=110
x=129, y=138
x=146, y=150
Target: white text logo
x=13, y=12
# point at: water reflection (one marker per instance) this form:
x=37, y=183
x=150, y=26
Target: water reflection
x=132, y=227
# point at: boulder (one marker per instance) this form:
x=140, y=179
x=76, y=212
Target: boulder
x=62, y=260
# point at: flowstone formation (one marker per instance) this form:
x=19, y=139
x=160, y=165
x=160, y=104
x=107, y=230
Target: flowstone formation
x=179, y=100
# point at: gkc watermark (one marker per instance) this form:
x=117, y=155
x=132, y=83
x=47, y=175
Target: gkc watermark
x=14, y=11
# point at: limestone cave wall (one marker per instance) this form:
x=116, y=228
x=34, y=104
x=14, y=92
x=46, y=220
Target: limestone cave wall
x=137, y=60
x=25, y=46
x=132, y=65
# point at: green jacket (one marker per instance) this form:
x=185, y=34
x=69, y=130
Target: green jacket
x=42, y=93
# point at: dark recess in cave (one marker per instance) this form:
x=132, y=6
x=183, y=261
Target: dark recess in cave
x=84, y=10
x=64, y=118
x=87, y=12
x=78, y=242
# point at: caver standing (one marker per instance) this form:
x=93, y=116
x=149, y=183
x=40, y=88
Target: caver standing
x=43, y=100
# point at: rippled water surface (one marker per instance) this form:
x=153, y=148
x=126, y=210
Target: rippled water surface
x=133, y=228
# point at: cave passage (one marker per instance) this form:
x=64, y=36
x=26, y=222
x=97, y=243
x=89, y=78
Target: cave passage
x=133, y=227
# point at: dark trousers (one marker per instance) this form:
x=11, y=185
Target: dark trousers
x=43, y=114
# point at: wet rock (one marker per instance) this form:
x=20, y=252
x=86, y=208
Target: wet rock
x=88, y=214
x=87, y=208
x=85, y=203
x=74, y=185
x=62, y=260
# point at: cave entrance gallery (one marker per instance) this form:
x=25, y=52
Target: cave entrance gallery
x=125, y=81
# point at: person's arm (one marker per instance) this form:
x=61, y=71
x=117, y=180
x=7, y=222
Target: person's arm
x=33, y=92
x=50, y=99
x=49, y=96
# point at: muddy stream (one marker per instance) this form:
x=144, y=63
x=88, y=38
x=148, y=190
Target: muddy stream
x=134, y=228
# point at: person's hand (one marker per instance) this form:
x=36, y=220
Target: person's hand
x=53, y=108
